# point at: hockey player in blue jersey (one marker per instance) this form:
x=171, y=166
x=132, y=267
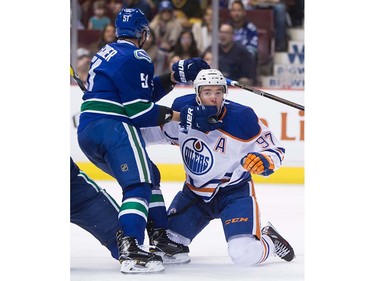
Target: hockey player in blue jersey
x=93, y=209
x=121, y=98
x=222, y=145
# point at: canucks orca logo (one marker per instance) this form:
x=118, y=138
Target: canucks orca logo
x=142, y=55
x=197, y=156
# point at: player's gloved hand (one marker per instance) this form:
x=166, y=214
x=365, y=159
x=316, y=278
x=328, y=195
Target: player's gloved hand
x=258, y=163
x=201, y=118
x=187, y=70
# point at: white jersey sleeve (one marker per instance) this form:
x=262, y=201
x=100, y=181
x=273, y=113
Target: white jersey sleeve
x=267, y=143
x=166, y=134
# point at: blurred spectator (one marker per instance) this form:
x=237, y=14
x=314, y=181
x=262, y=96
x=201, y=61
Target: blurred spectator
x=245, y=32
x=187, y=12
x=108, y=35
x=166, y=27
x=297, y=12
x=158, y=57
x=154, y=7
x=83, y=63
x=186, y=47
x=167, y=30
x=224, y=4
x=78, y=11
x=87, y=10
x=280, y=17
x=150, y=47
x=235, y=62
x=99, y=20
x=114, y=7
x=143, y=5
x=203, y=31
x=172, y=61
x=207, y=56
x=205, y=4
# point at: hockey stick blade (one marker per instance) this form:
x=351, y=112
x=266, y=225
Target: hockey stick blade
x=265, y=94
x=77, y=79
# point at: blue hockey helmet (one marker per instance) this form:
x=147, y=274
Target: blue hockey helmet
x=131, y=23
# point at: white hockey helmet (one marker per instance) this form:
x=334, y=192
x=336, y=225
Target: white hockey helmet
x=212, y=77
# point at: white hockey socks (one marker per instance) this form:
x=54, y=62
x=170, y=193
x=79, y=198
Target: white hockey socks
x=248, y=251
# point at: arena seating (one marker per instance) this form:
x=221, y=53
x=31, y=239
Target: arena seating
x=264, y=21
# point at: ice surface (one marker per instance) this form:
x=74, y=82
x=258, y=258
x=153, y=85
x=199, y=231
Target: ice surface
x=282, y=205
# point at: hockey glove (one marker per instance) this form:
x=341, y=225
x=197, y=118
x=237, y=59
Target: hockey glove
x=258, y=163
x=201, y=118
x=187, y=70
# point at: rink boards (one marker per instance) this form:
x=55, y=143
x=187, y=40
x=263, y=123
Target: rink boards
x=286, y=122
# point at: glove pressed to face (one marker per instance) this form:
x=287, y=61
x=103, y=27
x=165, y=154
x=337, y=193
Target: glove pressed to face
x=201, y=118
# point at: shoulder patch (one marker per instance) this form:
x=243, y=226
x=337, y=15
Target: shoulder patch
x=142, y=55
x=240, y=121
x=182, y=101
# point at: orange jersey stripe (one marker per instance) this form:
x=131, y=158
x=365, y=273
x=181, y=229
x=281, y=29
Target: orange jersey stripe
x=204, y=189
x=256, y=214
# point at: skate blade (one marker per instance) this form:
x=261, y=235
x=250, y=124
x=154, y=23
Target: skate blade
x=133, y=267
x=176, y=259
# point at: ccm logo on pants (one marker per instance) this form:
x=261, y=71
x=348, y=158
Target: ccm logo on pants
x=236, y=220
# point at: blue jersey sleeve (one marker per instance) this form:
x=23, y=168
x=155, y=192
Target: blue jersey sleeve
x=182, y=101
x=158, y=90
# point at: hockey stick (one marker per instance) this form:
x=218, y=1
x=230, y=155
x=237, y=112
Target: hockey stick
x=83, y=88
x=264, y=94
x=77, y=79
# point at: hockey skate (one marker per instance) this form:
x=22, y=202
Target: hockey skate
x=170, y=251
x=282, y=247
x=135, y=260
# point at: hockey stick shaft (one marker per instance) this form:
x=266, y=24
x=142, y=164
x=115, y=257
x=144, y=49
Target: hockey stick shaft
x=82, y=87
x=265, y=94
x=77, y=79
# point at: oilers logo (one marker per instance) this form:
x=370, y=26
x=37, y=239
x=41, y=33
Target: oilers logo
x=197, y=156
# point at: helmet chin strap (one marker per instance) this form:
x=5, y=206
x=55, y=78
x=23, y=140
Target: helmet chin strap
x=144, y=34
x=198, y=99
x=141, y=43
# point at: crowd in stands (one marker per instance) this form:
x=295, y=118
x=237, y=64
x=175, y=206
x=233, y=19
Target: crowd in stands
x=182, y=29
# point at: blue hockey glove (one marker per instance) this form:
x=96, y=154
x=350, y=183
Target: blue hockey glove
x=187, y=70
x=258, y=163
x=201, y=118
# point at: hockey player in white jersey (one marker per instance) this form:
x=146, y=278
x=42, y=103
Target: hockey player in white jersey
x=222, y=144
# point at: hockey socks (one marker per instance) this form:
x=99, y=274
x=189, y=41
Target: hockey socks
x=134, y=211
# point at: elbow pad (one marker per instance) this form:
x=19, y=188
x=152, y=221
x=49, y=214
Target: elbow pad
x=165, y=115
